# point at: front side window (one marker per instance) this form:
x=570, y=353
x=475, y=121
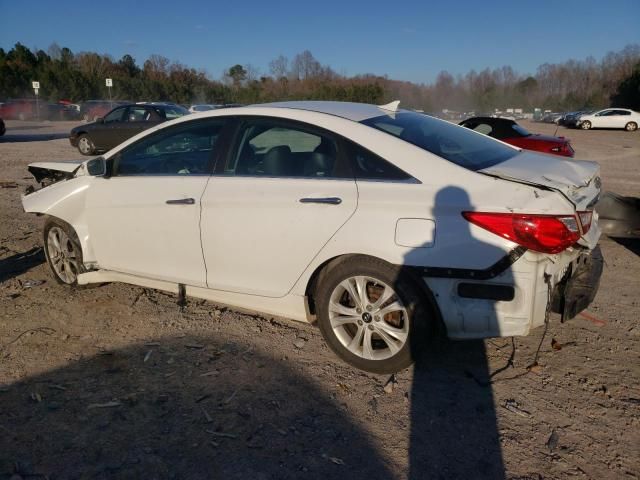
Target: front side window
x=184, y=149
x=451, y=142
x=114, y=115
x=275, y=149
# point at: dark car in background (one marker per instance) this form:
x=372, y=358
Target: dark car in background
x=120, y=124
x=514, y=134
x=3, y=129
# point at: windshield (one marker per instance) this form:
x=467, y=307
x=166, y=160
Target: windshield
x=174, y=111
x=451, y=142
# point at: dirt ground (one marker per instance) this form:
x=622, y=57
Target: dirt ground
x=117, y=382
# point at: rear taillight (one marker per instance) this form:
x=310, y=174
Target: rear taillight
x=585, y=220
x=542, y=233
x=564, y=149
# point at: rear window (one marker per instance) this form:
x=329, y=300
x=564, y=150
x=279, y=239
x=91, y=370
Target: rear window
x=173, y=111
x=451, y=142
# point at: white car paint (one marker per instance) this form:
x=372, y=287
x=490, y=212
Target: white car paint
x=610, y=118
x=250, y=243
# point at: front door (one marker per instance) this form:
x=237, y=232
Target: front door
x=281, y=195
x=145, y=219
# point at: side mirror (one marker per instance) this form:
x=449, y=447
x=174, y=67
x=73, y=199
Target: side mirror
x=99, y=120
x=99, y=167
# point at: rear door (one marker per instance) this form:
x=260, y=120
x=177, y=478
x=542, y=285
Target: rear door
x=284, y=190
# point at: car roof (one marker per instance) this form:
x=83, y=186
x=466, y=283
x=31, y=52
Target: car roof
x=349, y=110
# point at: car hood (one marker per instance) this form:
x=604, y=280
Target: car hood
x=60, y=166
x=577, y=180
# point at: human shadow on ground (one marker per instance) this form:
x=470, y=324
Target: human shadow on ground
x=454, y=427
x=191, y=407
x=20, y=263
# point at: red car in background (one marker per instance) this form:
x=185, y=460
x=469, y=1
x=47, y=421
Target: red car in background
x=91, y=110
x=27, y=109
x=510, y=132
x=19, y=109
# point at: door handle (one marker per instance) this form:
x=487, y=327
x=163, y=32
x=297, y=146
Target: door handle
x=325, y=200
x=181, y=201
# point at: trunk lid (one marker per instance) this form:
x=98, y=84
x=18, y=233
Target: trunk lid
x=578, y=180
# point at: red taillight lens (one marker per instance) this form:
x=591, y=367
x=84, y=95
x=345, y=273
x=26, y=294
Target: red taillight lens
x=585, y=220
x=542, y=233
x=564, y=149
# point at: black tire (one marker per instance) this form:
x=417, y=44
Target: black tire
x=85, y=145
x=631, y=127
x=586, y=125
x=420, y=318
x=71, y=244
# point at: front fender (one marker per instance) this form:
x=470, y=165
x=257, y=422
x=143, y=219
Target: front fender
x=64, y=200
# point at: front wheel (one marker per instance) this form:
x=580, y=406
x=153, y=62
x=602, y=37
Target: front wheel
x=63, y=252
x=85, y=145
x=371, y=316
x=631, y=127
x=586, y=125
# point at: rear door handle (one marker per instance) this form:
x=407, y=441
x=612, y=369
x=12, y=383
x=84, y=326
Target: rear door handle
x=181, y=201
x=325, y=200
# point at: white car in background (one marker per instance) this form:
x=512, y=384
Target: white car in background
x=610, y=118
x=382, y=225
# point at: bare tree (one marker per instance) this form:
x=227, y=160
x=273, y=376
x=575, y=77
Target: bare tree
x=279, y=66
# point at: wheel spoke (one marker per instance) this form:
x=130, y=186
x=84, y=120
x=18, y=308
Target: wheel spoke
x=392, y=307
x=351, y=290
x=361, y=287
x=340, y=309
x=55, y=239
x=342, y=321
x=367, y=347
x=393, y=344
x=397, y=333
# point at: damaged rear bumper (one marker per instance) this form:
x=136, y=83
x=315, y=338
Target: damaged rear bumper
x=579, y=286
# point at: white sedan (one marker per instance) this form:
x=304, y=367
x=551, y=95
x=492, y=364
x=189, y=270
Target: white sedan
x=610, y=118
x=383, y=225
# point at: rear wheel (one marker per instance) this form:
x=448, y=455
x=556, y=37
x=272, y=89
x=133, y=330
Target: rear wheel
x=586, y=125
x=85, y=145
x=371, y=315
x=631, y=127
x=63, y=252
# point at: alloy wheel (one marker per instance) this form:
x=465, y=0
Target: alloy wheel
x=63, y=255
x=368, y=318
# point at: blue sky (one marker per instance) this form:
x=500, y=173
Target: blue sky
x=406, y=40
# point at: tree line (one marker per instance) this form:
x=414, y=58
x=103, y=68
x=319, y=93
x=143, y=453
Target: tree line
x=574, y=84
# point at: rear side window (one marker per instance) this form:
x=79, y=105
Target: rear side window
x=451, y=142
x=271, y=148
x=369, y=166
